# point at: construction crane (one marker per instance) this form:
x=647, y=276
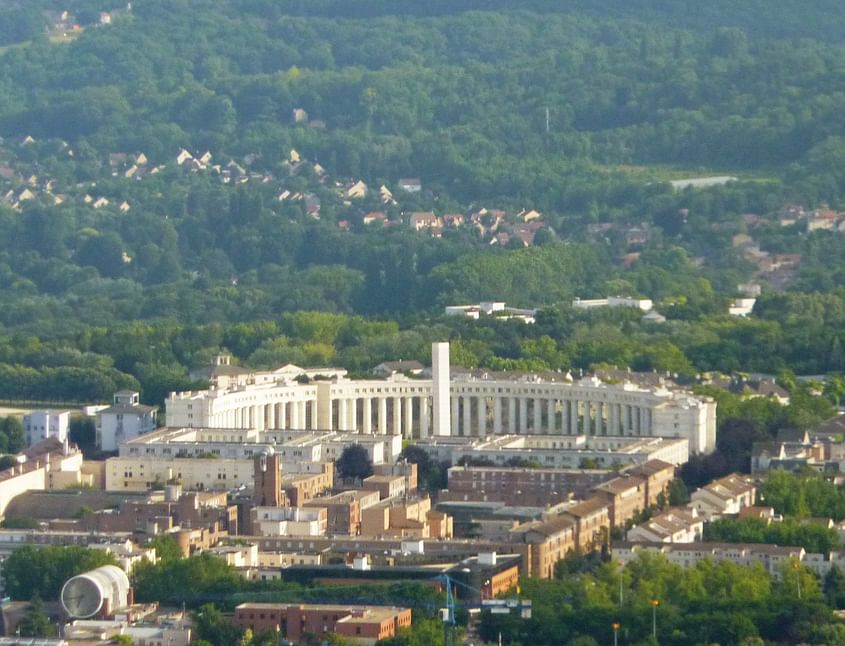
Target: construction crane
x=496, y=606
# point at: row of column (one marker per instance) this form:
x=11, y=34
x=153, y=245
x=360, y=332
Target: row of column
x=296, y=415
x=472, y=415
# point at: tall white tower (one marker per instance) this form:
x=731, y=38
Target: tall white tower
x=440, y=389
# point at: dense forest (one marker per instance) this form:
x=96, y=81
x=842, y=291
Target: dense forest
x=123, y=267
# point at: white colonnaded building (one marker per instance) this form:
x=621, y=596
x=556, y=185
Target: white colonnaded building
x=445, y=405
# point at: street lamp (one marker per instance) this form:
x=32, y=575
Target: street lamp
x=621, y=582
x=797, y=567
x=654, y=604
x=615, y=625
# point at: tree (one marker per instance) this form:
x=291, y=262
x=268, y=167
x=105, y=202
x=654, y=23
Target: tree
x=167, y=549
x=20, y=522
x=31, y=571
x=354, y=462
x=36, y=623
x=834, y=587
x=678, y=493
x=12, y=428
x=104, y=253
x=82, y=432
x=214, y=628
x=184, y=580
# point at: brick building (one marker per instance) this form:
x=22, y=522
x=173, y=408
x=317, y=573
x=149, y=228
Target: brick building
x=360, y=624
x=300, y=488
x=206, y=517
x=657, y=475
x=344, y=510
x=388, y=486
x=626, y=497
x=550, y=542
x=518, y=486
x=592, y=521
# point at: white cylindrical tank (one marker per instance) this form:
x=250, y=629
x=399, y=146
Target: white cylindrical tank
x=103, y=589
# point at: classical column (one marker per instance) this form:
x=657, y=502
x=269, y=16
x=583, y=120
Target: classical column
x=538, y=416
x=397, y=415
x=408, y=426
x=497, y=416
x=352, y=415
x=382, y=415
x=523, y=415
x=295, y=424
x=456, y=415
x=367, y=426
x=270, y=413
x=467, y=426
x=573, y=417
x=512, y=415
x=315, y=408
x=626, y=419
x=425, y=418
x=342, y=415
x=551, y=414
x=600, y=430
x=588, y=417
x=482, y=416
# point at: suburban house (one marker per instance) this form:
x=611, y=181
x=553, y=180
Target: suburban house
x=726, y=495
x=423, y=220
x=672, y=526
x=413, y=185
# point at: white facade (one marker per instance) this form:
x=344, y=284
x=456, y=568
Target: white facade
x=491, y=308
x=645, y=304
x=480, y=404
x=728, y=495
x=441, y=376
x=289, y=521
x=742, y=306
x=40, y=424
x=773, y=558
x=222, y=459
x=559, y=452
x=125, y=419
x=672, y=526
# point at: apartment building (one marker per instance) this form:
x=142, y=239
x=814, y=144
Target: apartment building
x=520, y=486
x=364, y=625
x=677, y=525
x=728, y=495
x=625, y=496
x=344, y=510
